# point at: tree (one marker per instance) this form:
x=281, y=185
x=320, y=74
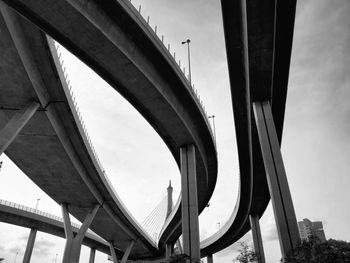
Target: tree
x=330, y=251
x=246, y=254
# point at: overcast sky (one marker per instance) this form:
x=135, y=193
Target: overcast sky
x=315, y=147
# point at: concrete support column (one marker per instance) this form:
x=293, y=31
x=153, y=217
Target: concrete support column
x=190, y=228
x=178, y=243
x=168, y=250
x=127, y=252
x=92, y=255
x=257, y=239
x=73, y=243
x=210, y=258
x=276, y=177
x=113, y=254
x=15, y=125
x=30, y=246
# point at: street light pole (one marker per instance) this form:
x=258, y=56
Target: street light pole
x=188, y=41
x=37, y=202
x=213, y=117
x=56, y=258
x=15, y=257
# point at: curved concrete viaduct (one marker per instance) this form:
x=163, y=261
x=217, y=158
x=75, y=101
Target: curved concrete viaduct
x=259, y=73
x=53, y=150
x=129, y=56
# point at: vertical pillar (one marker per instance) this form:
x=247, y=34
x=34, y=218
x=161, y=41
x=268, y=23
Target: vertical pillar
x=190, y=228
x=168, y=250
x=15, y=125
x=73, y=243
x=257, y=239
x=92, y=255
x=178, y=243
x=170, y=199
x=276, y=177
x=210, y=258
x=30, y=245
x=113, y=254
x=127, y=252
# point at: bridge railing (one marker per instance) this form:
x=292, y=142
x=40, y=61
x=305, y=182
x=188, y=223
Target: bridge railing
x=41, y=213
x=81, y=124
x=172, y=55
x=166, y=51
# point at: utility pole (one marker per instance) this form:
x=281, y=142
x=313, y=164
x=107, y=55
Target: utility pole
x=15, y=257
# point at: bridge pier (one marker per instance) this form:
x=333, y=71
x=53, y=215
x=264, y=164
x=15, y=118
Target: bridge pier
x=92, y=255
x=15, y=125
x=127, y=252
x=73, y=243
x=190, y=226
x=283, y=208
x=178, y=243
x=257, y=239
x=113, y=254
x=168, y=250
x=30, y=246
x=210, y=258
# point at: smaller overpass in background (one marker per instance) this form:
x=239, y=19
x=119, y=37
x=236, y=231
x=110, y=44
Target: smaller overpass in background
x=20, y=215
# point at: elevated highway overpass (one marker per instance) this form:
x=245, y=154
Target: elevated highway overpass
x=24, y=216
x=259, y=38
x=53, y=150
x=133, y=60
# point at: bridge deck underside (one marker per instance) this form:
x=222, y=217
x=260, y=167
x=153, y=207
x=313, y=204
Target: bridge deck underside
x=269, y=37
x=38, y=150
x=28, y=219
x=139, y=67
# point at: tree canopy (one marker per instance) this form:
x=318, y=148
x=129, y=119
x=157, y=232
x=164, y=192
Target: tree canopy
x=246, y=254
x=330, y=251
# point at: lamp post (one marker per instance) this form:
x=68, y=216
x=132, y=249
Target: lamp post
x=15, y=257
x=213, y=117
x=188, y=41
x=37, y=202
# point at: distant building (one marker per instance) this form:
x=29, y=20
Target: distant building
x=308, y=228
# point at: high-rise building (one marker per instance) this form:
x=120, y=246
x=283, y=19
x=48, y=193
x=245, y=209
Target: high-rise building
x=308, y=229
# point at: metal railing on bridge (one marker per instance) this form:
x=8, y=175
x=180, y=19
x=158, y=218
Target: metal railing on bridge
x=41, y=213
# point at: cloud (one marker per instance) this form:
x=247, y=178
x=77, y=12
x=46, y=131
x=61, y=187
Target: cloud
x=234, y=248
x=268, y=226
x=203, y=233
x=24, y=237
x=42, y=247
x=15, y=249
x=270, y=235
